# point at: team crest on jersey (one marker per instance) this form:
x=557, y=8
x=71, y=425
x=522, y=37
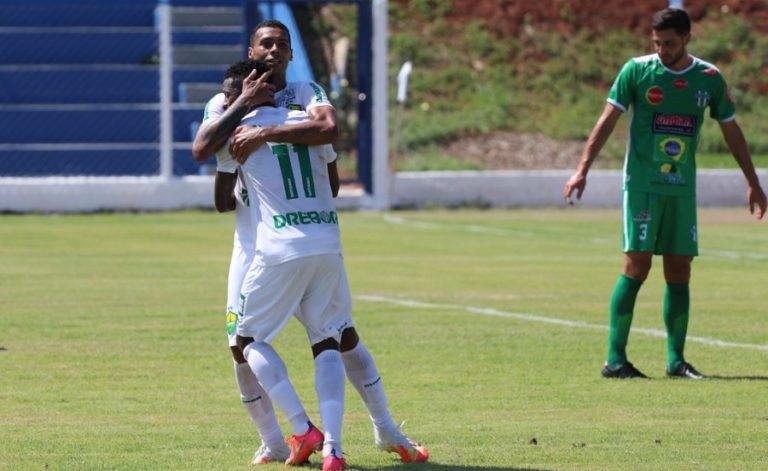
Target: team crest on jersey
x=287, y=97
x=702, y=98
x=678, y=124
x=244, y=197
x=231, y=321
x=654, y=95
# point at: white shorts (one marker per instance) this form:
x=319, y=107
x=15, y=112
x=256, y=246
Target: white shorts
x=315, y=288
x=238, y=267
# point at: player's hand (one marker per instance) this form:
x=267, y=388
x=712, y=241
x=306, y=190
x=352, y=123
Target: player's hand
x=576, y=183
x=245, y=140
x=257, y=91
x=756, y=197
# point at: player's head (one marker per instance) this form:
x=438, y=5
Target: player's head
x=234, y=76
x=671, y=34
x=271, y=43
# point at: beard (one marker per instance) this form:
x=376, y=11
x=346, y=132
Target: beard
x=671, y=61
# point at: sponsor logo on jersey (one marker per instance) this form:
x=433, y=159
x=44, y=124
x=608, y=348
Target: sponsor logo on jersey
x=643, y=216
x=702, y=98
x=303, y=218
x=654, y=95
x=295, y=107
x=694, y=236
x=680, y=84
x=670, y=176
x=678, y=124
x=710, y=71
x=672, y=147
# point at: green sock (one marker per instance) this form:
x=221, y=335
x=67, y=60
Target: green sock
x=677, y=301
x=621, y=310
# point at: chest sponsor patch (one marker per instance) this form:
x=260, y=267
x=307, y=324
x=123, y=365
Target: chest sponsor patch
x=654, y=95
x=677, y=124
x=680, y=84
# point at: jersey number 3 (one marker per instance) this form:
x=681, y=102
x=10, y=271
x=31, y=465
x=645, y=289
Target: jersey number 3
x=286, y=170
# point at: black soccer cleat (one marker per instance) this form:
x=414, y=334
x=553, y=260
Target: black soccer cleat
x=685, y=370
x=625, y=371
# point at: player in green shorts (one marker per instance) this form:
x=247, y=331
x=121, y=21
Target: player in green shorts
x=668, y=93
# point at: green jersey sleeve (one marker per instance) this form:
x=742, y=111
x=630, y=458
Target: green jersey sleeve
x=623, y=90
x=722, y=107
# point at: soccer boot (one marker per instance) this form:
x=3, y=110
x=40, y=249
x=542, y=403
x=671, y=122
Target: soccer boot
x=394, y=441
x=332, y=463
x=685, y=370
x=627, y=370
x=266, y=455
x=302, y=446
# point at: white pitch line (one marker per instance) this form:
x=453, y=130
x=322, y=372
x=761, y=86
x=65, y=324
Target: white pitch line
x=549, y=320
x=430, y=225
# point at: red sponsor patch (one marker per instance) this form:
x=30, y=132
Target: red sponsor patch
x=680, y=83
x=710, y=71
x=654, y=95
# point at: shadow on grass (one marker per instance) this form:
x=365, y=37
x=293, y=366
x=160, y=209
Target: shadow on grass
x=439, y=467
x=737, y=378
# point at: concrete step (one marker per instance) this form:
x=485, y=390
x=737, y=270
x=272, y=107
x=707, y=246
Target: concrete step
x=197, y=92
x=185, y=17
x=207, y=54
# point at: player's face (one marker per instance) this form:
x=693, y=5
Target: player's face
x=671, y=47
x=272, y=46
x=232, y=90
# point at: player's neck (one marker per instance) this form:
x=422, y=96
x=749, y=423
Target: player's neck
x=682, y=63
x=280, y=84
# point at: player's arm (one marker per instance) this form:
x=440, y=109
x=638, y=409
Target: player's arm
x=319, y=129
x=212, y=135
x=734, y=137
x=597, y=139
x=333, y=176
x=224, y=191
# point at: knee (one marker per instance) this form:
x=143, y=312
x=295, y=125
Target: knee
x=637, y=268
x=243, y=342
x=237, y=354
x=677, y=269
x=323, y=345
x=349, y=339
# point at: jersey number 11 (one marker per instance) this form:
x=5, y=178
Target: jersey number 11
x=286, y=170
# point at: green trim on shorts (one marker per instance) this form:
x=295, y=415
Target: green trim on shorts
x=662, y=224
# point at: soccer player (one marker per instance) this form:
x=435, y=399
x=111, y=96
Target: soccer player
x=271, y=41
x=668, y=93
x=297, y=268
x=230, y=194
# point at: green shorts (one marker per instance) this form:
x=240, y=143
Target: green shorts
x=662, y=224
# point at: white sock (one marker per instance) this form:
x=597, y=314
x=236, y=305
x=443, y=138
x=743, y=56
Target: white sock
x=259, y=406
x=267, y=365
x=364, y=376
x=329, y=385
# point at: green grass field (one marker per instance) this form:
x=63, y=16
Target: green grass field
x=488, y=328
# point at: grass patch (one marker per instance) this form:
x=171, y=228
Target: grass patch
x=114, y=355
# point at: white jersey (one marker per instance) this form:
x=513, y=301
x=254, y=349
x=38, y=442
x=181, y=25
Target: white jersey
x=301, y=96
x=290, y=194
